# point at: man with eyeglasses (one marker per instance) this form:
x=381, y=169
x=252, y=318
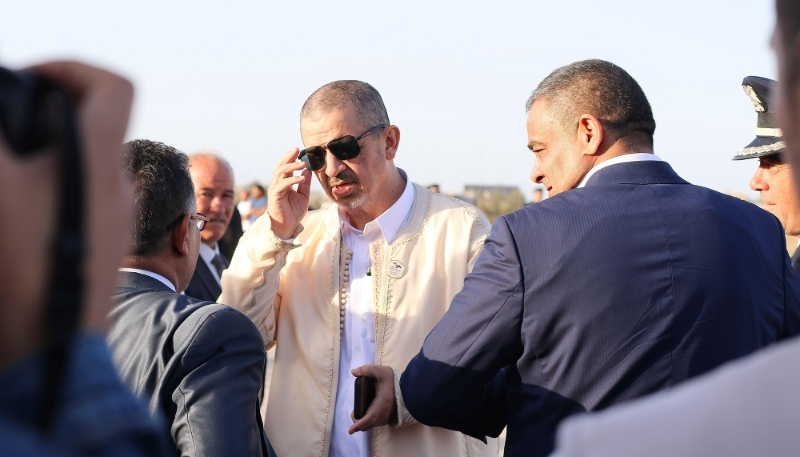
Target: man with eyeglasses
x=199, y=364
x=359, y=283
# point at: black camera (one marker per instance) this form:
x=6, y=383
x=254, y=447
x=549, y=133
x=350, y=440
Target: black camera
x=31, y=111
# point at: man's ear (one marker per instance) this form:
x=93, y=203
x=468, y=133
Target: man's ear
x=392, y=141
x=590, y=134
x=180, y=236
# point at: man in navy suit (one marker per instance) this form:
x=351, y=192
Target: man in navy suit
x=627, y=281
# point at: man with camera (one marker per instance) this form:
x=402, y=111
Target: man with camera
x=59, y=391
x=358, y=283
x=199, y=364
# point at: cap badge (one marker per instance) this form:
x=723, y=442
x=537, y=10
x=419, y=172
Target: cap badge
x=757, y=102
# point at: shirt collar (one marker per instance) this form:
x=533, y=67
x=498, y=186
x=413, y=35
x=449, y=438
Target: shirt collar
x=391, y=220
x=637, y=157
x=156, y=276
x=207, y=252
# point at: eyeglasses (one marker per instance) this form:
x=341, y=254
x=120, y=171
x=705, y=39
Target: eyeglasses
x=201, y=220
x=344, y=148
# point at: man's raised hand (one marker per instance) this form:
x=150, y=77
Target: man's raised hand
x=286, y=206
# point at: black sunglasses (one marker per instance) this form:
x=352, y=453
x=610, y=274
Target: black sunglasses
x=344, y=148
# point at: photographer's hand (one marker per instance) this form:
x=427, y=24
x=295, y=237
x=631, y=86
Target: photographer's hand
x=286, y=206
x=102, y=105
x=28, y=192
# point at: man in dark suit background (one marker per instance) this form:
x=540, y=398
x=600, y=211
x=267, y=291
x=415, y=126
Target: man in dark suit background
x=212, y=178
x=626, y=281
x=199, y=364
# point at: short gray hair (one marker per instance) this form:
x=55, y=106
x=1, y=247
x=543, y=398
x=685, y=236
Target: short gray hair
x=601, y=89
x=366, y=100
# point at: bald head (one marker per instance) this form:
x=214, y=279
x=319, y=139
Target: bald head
x=203, y=159
x=339, y=95
x=212, y=177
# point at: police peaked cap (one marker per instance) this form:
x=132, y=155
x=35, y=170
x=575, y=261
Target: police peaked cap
x=769, y=138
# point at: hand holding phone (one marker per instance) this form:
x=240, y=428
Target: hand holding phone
x=364, y=394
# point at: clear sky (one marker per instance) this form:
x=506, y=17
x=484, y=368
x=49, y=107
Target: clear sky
x=232, y=76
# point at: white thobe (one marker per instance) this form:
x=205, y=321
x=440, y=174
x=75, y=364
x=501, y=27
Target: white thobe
x=357, y=346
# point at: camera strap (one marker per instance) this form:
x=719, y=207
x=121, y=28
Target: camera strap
x=66, y=288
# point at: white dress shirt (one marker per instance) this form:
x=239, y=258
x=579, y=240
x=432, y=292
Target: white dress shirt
x=357, y=347
x=625, y=158
x=157, y=276
x=207, y=253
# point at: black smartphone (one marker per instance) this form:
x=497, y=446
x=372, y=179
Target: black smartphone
x=365, y=393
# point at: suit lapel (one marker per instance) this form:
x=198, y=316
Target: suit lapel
x=796, y=260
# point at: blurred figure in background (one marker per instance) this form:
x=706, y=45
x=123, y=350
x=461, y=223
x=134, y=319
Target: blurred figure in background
x=258, y=202
x=244, y=208
x=434, y=188
x=537, y=195
x=212, y=178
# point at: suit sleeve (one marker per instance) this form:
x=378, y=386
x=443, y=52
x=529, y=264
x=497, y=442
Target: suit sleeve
x=217, y=401
x=457, y=379
x=251, y=283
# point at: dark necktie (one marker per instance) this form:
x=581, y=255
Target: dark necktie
x=219, y=265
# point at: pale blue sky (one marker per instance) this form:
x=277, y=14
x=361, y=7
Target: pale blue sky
x=233, y=75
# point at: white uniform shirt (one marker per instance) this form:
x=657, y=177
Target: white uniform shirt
x=357, y=347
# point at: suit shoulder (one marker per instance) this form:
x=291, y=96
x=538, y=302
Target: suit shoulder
x=220, y=322
x=746, y=208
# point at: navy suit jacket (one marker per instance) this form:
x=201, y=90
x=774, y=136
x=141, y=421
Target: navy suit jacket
x=199, y=364
x=627, y=286
x=203, y=285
